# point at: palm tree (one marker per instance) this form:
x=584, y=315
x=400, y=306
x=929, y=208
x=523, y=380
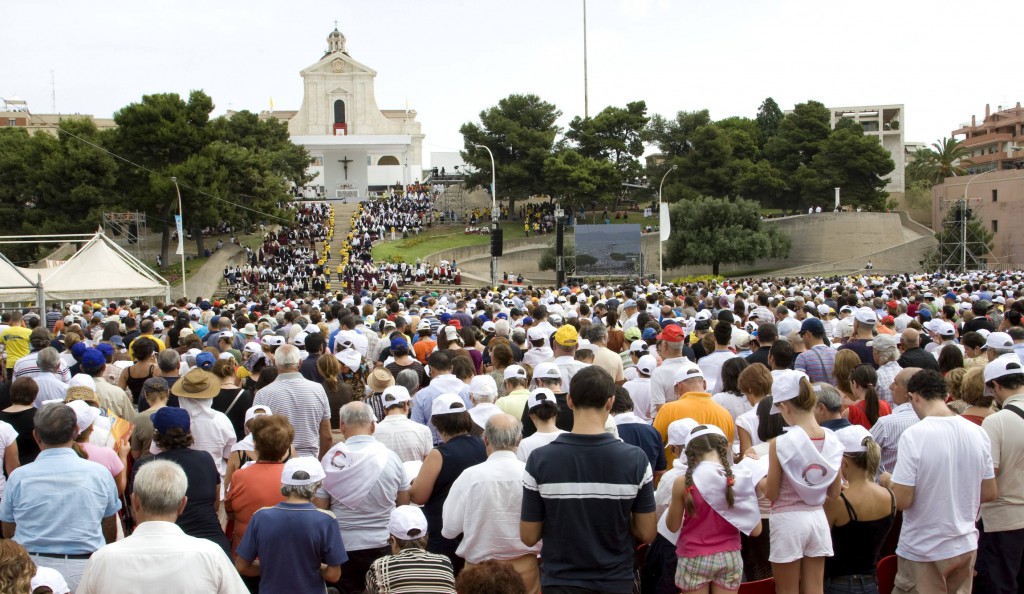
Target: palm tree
x=933, y=165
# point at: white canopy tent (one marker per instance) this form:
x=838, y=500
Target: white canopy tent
x=100, y=269
x=16, y=283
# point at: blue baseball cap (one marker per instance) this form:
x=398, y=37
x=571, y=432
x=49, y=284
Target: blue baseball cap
x=649, y=334
x=205, y=360
x=78, y=349
x=527, y=321
x=93, y=359
x=399, y=343
x=924, y=313
x=106, y=348
x=169, y=417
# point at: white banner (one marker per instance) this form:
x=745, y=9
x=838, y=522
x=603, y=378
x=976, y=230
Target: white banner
x=181, y=236
x=665, y=225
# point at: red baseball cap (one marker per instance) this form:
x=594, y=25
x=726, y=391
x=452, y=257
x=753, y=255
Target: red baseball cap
x=455, y=323
x=671, y=333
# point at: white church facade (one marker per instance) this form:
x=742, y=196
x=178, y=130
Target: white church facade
x=356, y=147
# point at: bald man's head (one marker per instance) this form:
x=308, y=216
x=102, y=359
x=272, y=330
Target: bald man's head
x=899, y=384
x=503, y=432
x=910, y=339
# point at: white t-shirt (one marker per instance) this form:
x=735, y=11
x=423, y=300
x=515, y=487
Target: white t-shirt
x=537, y=440
x=7, y=437
x=749, y=421
x=944, y=459
x=640, y=392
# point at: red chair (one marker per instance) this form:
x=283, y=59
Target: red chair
x=886, y=574
x=759, y=587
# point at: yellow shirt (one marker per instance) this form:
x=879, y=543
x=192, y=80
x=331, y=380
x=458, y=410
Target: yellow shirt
x=15, y=341
x=697, y=406
x=159, y=344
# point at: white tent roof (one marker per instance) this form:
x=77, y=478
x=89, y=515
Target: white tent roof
x=103, y=269
x=17, y=284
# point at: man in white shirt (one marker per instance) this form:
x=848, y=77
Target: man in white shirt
x=1001, y=544
x=158, y=553
x=711, y=364
x=482, y=393
x=539, y=350
x=943, y=474
x=564, y=342
x=412, y=441
x=364, y=482
x=640, y=388
x=484, y=504
x=663, y=385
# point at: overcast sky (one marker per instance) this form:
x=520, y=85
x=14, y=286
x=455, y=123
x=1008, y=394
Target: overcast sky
x=452, y=58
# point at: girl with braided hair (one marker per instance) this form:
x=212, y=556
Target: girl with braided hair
x=716, y=503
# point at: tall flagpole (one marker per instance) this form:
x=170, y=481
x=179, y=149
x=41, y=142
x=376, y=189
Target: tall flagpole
x=181, y=237
x=586, y=95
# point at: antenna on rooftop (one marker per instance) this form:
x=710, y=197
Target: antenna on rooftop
x=53, y=94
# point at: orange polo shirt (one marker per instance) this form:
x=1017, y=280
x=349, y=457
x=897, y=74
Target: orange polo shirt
x=697, y=406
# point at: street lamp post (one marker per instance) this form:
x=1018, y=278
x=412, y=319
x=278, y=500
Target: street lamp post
x=494, y=213
x=661, y=273
x=181, y=238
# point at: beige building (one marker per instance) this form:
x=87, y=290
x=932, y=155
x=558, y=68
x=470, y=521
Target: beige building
x=16, y=114
x=885, y=124
x=996, y=198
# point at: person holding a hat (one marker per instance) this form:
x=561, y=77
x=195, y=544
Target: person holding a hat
x=298, y=546
x=61, y=508
x=172, y=558
x=1001, y=543
x=459, y=450
x=410, y=567
x=944, y=473
x=173, y=441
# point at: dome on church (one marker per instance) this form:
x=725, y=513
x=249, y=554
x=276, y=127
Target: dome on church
x=336, y=41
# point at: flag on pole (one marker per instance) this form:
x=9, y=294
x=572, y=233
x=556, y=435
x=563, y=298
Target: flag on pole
x=271, y=104
x=664, y=225
x=181, y=236
x=407, y=104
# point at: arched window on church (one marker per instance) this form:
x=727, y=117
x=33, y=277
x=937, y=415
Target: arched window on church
x=388, y=160
x=339, y=112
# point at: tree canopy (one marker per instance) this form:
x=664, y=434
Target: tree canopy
x=933, y=165
x=949, y=253
x=713, y=231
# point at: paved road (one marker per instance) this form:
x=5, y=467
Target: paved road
x=205, y=281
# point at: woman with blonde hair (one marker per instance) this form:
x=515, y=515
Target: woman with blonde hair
x=846, y=361
x=972, y=390
x=16, y=568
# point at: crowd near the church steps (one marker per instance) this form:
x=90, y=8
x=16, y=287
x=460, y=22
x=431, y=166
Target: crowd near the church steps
x=384, y=429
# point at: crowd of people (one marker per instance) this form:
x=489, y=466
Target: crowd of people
x=614, y=439
x=290, y=260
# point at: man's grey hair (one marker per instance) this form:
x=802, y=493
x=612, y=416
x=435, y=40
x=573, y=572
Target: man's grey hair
x=48, y=360
x=675, y=347
x=168, y=360
x=408, y=379
x=519, y=336
x=160, y=486
x=287, y=356
x=357, y=414
x=597, y=333
x=551, y=384
x=829, y=397
x=887, y=354
x=501, y=328
x=224, y=323
x=504, y=437
x=55, y=424
x=301, y=491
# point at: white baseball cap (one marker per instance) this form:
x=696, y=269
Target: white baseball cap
x=999, y=340
x=483, y=385
x=546, y=370
x=852, y=438
x=273, y=340
x=252, y=347
x=865, y=315
x=786, y=386
x=539, y=396
x=647, y=364
x=305, y=464
x=1008, y=364
x=687, y=372
x=514, y=371
x=394, y=395
x=447, y=404
x=85, y=414
x=679, y=431
x=407, y=522
x=638, y=346
x=258, y=409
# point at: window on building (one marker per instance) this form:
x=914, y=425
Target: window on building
x=995, y=226
x=995, y=195
x=12, y=122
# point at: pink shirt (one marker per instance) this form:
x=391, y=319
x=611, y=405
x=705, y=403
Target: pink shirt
x=105, y=457
x=705, y=532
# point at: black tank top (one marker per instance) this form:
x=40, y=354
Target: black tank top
x=856, y=544
x=457, y=454
x=135, y=383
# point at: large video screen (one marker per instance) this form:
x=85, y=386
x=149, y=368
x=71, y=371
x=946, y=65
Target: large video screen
x=607, y=250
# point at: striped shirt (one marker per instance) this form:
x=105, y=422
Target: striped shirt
x=887, y=432
x=886, y=376
x=304, y=403
x=817, y=362
x=412, y=571
x=570, y=482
